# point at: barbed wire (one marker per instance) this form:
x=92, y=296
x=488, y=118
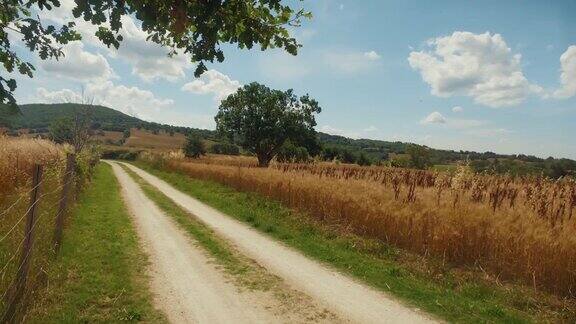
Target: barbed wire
x=24, y=194
x=58, y=188
x=24, y=260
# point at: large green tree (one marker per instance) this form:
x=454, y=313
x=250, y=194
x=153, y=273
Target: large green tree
x=195, y=27
x=261, y=120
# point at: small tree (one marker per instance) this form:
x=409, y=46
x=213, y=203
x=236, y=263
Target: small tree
x=261, y=119
x=419, y=156
x=194, y=147
x=61, y=130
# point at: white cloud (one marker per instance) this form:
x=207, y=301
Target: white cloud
x=149, y=60
x=130, y=100
x=78, y=64
x=352, y=62
x=481, y=66
x=454, y=123
x=568, y=74
x=457, y=109
x=213, y=82
x=371, y=128
x=372, y=55
x=60, y=96
x=434, y=118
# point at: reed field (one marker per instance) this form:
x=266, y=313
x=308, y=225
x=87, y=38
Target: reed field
x=519, y=230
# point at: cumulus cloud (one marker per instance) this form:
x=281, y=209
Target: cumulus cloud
x=457, y=109
x=149, y=60
x=213, y=82
x=434, y=118
x=481, y=66
x=372, y=56
x=568, y=74
x=130, y=100
x=453, y=123
x=78, y=64
x=352, y=62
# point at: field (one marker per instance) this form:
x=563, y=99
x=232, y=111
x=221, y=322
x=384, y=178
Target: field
x=17, y=157
x=519, y=230
x=162, y=140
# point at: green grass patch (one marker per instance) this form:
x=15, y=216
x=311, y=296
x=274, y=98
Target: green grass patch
x=454, y=295
x=99, y=275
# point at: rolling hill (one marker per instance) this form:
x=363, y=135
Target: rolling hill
x=38, y=117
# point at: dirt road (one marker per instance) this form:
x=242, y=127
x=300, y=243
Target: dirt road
x=346, y=297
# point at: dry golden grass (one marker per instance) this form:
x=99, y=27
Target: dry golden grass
x=109, y=136
x=17, y=157
x=162, y=141
x=521, y=230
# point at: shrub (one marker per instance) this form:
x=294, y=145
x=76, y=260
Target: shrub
x=194, y=147
x=290, y=153
x=224, y=148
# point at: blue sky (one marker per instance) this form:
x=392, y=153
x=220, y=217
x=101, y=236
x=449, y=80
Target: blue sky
x=391, y=70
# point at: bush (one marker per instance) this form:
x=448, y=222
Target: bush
x=120, y=155
x=290, y=153
x=224, y=148
x=194, y=147
x=363, y=160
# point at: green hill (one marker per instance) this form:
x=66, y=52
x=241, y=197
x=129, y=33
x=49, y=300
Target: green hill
x=38, y=117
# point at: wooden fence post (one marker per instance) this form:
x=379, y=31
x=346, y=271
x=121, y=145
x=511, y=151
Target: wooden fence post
x=17, y=291
x=66, y=183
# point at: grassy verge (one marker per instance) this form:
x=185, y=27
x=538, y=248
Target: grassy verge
x=455, y=295
x=98, y=276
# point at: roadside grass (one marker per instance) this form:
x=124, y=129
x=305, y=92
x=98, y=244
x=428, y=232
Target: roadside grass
x=456, y=295
x=100, y=273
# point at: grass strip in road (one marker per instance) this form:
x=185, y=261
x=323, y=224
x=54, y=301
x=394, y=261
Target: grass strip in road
x=246, y=273
x=454, y=295
x=99, y=274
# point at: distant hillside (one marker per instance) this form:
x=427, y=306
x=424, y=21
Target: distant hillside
x=38, y=117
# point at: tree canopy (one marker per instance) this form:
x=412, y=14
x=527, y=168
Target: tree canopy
x=195, y=27
x=261, y=120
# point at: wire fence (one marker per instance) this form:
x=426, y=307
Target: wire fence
x=30, y=235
